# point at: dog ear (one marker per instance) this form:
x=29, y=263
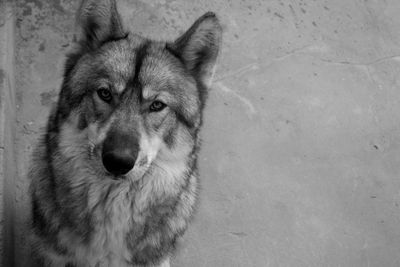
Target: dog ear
x=99, y=21
x=199, y=46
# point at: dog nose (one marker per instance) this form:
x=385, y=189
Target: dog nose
x=119, y=162
x=120, y=150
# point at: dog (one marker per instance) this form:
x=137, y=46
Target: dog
x=114, y=180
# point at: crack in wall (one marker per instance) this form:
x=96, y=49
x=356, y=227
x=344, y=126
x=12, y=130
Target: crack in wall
x=361, y=64
x=246, y=102
x=300, y=51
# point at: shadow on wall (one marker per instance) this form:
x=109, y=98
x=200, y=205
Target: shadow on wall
x=7, y=132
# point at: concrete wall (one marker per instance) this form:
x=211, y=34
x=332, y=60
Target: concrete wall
x=7, y=132
x=301, y=155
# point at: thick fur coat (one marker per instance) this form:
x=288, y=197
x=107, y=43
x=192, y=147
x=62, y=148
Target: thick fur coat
x=114, y=179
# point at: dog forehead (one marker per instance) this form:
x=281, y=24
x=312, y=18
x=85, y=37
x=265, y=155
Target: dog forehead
x=118, y=59
x=162, y=72
x=159, y=71
x=122, y=58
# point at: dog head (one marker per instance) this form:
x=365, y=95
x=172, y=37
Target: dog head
x=129, y=102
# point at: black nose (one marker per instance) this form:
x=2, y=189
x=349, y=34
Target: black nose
x=118, y=162
x=120, y=151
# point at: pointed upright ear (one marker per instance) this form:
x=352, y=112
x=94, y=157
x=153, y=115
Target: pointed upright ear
x=99, y=21
x=198, y=48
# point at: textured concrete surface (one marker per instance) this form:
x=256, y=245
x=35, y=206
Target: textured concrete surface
x=7, y=132
x=301, y=157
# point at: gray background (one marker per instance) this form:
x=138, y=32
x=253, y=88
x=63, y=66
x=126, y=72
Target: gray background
x=301, y=148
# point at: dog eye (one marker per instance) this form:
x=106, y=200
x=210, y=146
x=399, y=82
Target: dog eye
x=157, y=106
x=104, y=94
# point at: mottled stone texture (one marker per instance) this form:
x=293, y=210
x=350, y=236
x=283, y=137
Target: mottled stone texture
x=300, y=163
